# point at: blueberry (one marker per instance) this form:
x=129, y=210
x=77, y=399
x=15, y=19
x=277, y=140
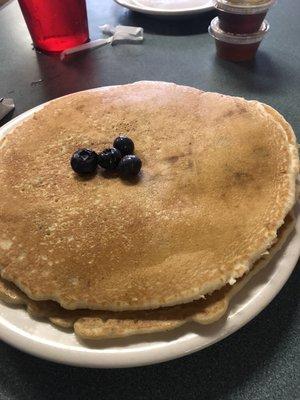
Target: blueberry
x=109, y=159
x=129, y=166
x=124, y=144
x=84, y=161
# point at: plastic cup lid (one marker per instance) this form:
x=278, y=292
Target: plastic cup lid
x=245, y=7
x=216, y=32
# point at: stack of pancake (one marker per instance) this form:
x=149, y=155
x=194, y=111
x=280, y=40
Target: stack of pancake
x=113, y=258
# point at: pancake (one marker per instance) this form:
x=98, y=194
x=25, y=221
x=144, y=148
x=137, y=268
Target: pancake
x=218, y=179
x=95, y=325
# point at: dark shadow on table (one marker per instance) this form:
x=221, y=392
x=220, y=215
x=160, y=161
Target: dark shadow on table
x=60, y=78
x=173, y=26
x=7, y=118
x=261, y=74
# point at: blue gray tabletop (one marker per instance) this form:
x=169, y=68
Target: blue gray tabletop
x=261, y=360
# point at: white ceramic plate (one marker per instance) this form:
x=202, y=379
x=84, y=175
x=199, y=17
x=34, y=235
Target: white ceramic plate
x=168, y=7
x=44, y=340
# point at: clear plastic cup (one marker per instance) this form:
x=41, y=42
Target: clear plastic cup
x=236, y=47
x=242, y=16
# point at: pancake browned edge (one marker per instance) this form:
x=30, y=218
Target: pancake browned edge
x=217, y=182
x=95, y=325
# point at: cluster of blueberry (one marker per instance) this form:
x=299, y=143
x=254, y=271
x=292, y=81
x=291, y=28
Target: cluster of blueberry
x=119, y=158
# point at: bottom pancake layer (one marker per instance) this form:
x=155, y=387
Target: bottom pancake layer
x=94, y=325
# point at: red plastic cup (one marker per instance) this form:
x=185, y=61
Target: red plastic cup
x=56, y=25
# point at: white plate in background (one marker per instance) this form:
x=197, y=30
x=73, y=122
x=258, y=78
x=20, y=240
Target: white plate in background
x=168, y=7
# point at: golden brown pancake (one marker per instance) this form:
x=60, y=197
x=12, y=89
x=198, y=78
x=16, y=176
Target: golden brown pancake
x=94, y=325
x=218, y=179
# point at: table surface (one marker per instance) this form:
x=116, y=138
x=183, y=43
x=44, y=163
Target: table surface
x=262, y=360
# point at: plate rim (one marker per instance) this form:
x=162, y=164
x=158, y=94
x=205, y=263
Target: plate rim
x=164, y=12
x=87, y=357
